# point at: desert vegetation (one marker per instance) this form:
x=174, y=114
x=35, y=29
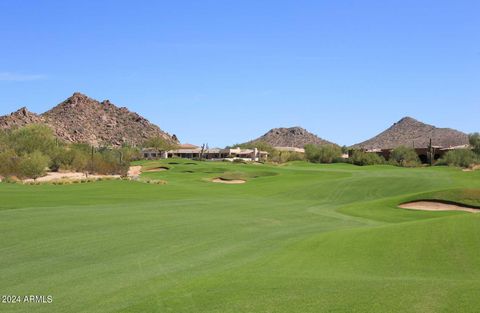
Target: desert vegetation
x=323, y=153
x=464, y=157
x=362, y=158
x=30, y=151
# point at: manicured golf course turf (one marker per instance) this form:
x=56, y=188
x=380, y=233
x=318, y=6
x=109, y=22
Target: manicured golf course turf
x=294, y=238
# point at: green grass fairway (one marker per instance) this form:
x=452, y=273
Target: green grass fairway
x=294, y=238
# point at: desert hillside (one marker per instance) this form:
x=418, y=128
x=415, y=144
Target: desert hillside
x=81, y=119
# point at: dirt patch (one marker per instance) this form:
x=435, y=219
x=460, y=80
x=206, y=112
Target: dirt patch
x=157, y=169
x=438, y=206
x=228, y=181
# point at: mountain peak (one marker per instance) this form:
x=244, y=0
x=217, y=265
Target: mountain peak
x=290, y=137
x=411, y=132
x=406, y=119
x=81, y=119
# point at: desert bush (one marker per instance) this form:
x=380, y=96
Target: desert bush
x=403, y=156
x=107, y=162
x=364, y=158
x=9, y=163
x=284, y=156
x=130, y=154
x=34, y=165
x=322, y=154
x=461, y=158
x=11, y=180
x=32, y=138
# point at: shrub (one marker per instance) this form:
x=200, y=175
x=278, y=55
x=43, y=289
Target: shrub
x=34, y=165
x=461, y=158
x=33, y=138
x=9, y=163
x=403, y=156
x=322, y=154
x=285, y=156
x=475, y=142
x=364, y=158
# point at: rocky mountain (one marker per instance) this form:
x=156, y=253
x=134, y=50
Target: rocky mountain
x=410, y=132
x=81, y=119
x=291, y=137
x=20, y=118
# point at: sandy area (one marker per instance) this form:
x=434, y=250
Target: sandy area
x=54, y=176
x=436, y=206
x=134, y=171
x=230, y=182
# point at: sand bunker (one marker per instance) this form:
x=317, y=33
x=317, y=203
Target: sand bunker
x=157, y=169
x=437, y=206
x=228, y=181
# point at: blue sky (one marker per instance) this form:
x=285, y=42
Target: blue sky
x=226, y=71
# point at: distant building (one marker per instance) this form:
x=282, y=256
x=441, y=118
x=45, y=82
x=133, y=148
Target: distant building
x=188, y=151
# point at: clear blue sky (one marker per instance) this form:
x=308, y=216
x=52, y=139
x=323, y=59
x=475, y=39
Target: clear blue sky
x=227, y=71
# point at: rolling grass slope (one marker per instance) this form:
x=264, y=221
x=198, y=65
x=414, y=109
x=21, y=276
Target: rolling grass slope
x=294, y=238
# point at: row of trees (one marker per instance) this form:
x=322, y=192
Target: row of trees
x=400, y=156
x=30, y=151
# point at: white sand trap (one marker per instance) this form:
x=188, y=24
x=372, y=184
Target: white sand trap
x=230, y=182
x=437, y=206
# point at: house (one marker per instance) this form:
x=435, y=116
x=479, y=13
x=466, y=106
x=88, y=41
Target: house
x=188, y=151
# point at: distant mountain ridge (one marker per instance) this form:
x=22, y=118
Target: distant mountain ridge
x=410, y=132
x=80, y=119
x=296, y=137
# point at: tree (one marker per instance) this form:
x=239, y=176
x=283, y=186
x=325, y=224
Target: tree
x=403, y=156
x=34, y=137
x=475, y=142
x=365, y=158
x=322, y=154
x=34, y=165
